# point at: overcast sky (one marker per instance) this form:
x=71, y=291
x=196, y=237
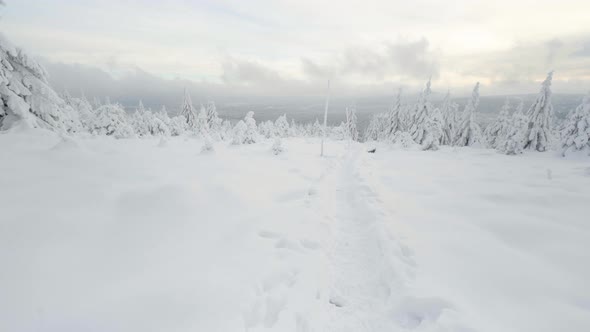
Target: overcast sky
x=291, y=47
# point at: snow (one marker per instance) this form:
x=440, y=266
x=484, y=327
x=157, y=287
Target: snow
x=100, y=234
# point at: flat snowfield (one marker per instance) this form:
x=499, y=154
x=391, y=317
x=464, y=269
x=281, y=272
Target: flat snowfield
x=107, y=235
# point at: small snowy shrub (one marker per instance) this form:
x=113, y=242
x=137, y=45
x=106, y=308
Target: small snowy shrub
x=277, y=147
x=111, y=120
x=207, y=145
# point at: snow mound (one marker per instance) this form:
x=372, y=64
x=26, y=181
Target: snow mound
x=66, y=143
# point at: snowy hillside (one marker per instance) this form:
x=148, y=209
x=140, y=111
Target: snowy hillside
x=145, y=235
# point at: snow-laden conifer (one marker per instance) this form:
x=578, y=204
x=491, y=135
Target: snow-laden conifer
x=351, y=131
x=187, y=111
x=420, y=114
x=111, y=120
x=498, y=130
x=251, y=134
x=538, y=136
x=575, y=135
x=469, y=133
x=281, y=126
x=513, y=142
x=26, y=96
x=433, y=130
x=239, y=133
x=449, y=120
x=394, y=116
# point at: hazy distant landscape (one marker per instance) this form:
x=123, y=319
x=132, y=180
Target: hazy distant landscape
x=307, y=109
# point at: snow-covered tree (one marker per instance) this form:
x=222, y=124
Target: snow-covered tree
x=281, y=126
x=187, y=111
x=84, y=109
x=513, y=142
x=433, y=131
x=498, y=130
x=469, y=132
x=377, y=128
x=317, y=130
x=26, y=97
x=239, y=133
x=393, y=116
x=420, y=116
x=138, y=121
x=350, y=125
x=213, y=120
x=448, y=113
x=267, y=129
x=575, y=135
x=163, y=116
x=538, y=136
x=178, y=125
x=226, y=130
x=111, y=120
x=201, y=125
x=155, y=126
x=251, y=134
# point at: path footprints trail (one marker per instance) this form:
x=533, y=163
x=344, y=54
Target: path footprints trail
x=354, y=277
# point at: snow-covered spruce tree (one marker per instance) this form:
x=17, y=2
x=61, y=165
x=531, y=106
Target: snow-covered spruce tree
x=162, y=114
x=178, y=125
x=281, y=126
x=350, y=125
x=83, y=107
x=213, y=120
x=433, y=131
x=187, y=111
x=513, y=142
x=575, y=135
x=317, y=129
x=421, y=112
x=371, y=133
x=251, y=134
x=201, y=126
x=226, y=130
x=267, y=129
x=469, y=132
x=138, y=121
x=449, y=117
x=538, y=136
x=498, y=129
x=26, y=97
x=393, y=116
x=238, y=133
x=155, y=126
x=111, y=120
x=377, y=128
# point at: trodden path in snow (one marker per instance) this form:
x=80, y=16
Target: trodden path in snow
x=369, y=269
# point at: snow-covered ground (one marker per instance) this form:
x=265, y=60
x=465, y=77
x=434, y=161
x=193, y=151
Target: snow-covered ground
x=99, y=234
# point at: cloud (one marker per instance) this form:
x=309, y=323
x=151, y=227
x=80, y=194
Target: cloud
x=247, y=72
x=413, y=60
x=583, y=51
x=553, y=46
